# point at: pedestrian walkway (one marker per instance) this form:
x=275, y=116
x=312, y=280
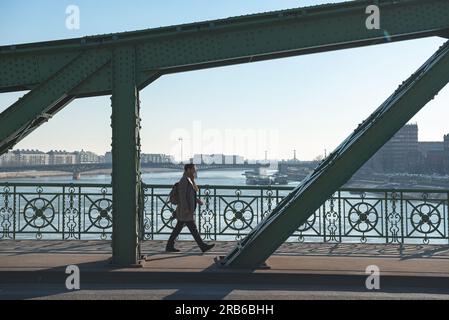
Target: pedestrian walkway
x=293, y=258
x=36, y=270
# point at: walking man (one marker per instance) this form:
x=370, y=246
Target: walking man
x=185, y=211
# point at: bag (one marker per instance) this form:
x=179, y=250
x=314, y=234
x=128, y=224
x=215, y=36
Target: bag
x=173, y=197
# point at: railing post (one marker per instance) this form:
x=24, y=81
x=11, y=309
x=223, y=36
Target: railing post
x=403, y=219
x=63, y=212
x=447, y=216
x=125, y=157
x=215, y=213
x=387, y=216
x=152, y=213
x=14, y=213
x=341, y=217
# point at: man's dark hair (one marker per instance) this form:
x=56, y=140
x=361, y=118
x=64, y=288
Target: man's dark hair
x=188, y=166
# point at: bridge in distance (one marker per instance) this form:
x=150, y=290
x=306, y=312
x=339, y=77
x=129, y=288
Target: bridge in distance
x=86, y=167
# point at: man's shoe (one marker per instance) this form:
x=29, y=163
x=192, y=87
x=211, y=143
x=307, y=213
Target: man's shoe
x=172, y=249
x=207, y=247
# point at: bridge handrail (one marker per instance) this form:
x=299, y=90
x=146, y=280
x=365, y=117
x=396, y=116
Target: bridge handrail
x=75, y=211
x=224, y=187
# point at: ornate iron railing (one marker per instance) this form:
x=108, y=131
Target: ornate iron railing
x=55, y=211
x=84, y=211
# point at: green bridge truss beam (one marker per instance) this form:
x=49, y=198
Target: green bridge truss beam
x=121, y=64
x=45, y=100
x=125, y=157
x=339, y=166
x=228, y=41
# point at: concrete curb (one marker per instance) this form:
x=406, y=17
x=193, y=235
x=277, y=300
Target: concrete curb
x=58, y=276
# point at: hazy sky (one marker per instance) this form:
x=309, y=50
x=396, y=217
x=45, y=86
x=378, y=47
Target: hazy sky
x=308, y=103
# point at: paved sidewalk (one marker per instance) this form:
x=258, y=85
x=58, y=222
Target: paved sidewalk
x=36, y=269
x=222, y=247
x=294, y=258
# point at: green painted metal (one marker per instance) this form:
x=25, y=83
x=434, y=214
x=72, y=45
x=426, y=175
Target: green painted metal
x=339, y=167
x=56, y=72
x=233, y=189
x=208, y=44
x=125, y=156
x=44, y=101
x=229, y=41
x=63, y=211
x=214, y=43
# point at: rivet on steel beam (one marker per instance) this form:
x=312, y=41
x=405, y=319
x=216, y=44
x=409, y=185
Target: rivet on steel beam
x=46, y=116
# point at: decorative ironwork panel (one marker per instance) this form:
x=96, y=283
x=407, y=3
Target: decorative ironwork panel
x=426, y=217
x=78, y=211
x=97, y=212
x=7, y=213
x=55, y=211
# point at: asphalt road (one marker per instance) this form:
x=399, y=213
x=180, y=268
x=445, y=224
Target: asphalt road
x=197, y=291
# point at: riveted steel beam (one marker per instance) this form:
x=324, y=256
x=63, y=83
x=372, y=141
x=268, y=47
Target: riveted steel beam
x=125, y=156
x=292, y=32
x=44, y=101
x=339, y=167
x=230, y=41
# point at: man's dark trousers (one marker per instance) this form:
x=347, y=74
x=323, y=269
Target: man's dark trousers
x=193, y=230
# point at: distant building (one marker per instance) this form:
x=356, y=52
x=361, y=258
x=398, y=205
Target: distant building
x=209, y=159
x=399, y=154
x=446, y=153
x=446, y=143
x=62, y=157
x=234, y=159
x=36, y=157
x=405, y=154
x=87, y=157
x=30, y=158
x=156, y=158
x=433, y=156
x=430, y=147
x=108, y=157
x=197, y=159
x=9, y=159
x=145, y=158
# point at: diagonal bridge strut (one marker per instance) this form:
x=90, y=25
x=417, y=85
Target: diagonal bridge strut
x=339, y=166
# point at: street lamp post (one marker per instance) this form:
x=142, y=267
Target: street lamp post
x=181, y=140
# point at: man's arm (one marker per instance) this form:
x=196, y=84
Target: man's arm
x=182, y=189
x=190, y=198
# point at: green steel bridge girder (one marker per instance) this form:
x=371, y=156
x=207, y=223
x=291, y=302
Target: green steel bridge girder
x=340, y=166
x=126, y=182
x=208, y=44
x=228, y=41
x=45, y=100
x=122, y=64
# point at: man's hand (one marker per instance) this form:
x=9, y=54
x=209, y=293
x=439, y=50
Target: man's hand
x=199, y=202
